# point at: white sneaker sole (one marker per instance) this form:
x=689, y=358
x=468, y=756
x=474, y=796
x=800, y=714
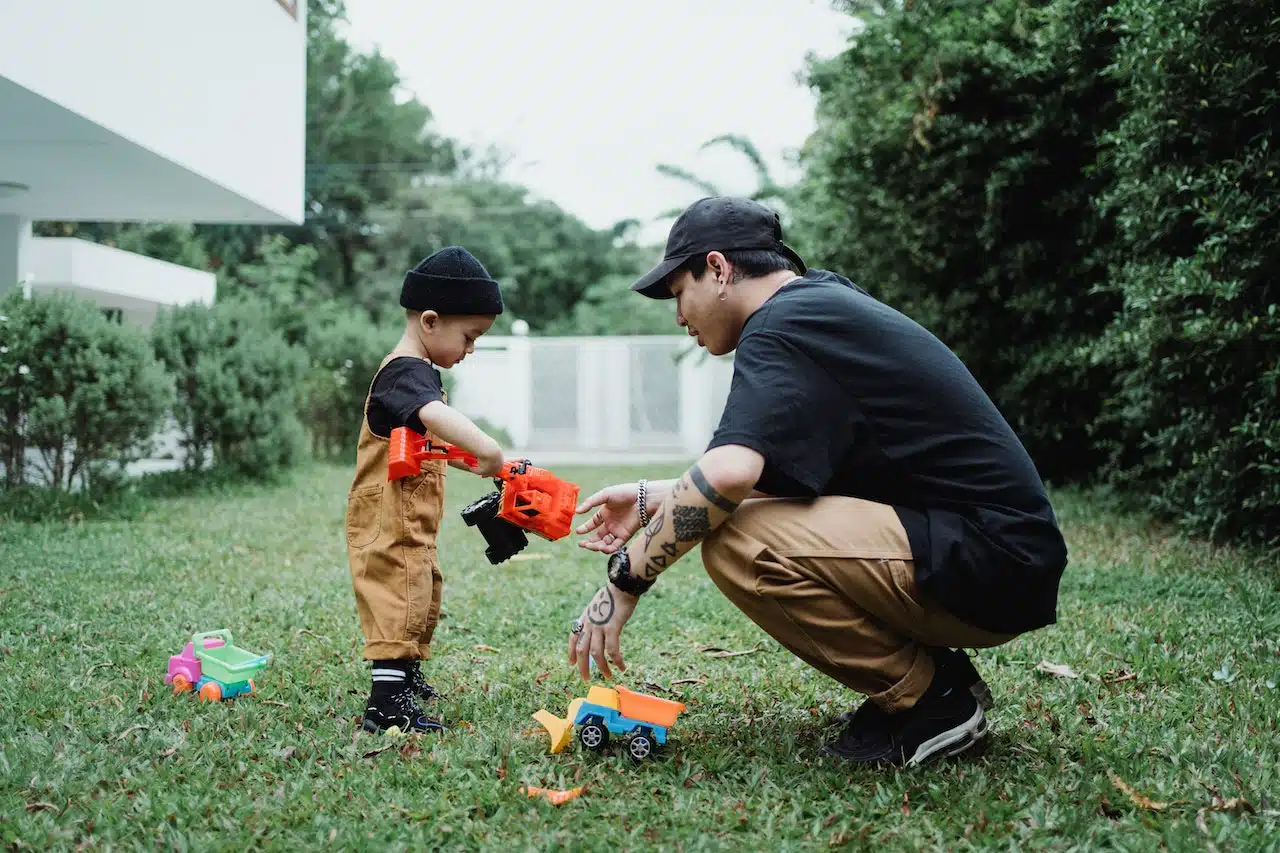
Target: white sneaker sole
x=953, y=741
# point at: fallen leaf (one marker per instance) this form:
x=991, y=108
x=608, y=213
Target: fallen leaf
x=1224, y=674
x=1235, y=804
x=274, y=702
x=906, y=804
x=1061, y=670
x=697, y=777
x=98, y=666
x=371, y=753
x=168, y=752
x=483, y=648
x=333, y=833
x=1119, y=677
x=36, y=807
x=287, y=753
x=541, y=678
x=124, y=734
x=717, y=652
x=1138, y=800
x=658, y=687
x=520, y=558
x=701, y=679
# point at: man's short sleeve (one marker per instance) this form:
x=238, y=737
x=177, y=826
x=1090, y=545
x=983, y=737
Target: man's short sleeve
x=784, y=406
x=403, y=387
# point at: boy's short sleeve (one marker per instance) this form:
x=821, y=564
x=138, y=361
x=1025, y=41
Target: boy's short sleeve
x=400, y=391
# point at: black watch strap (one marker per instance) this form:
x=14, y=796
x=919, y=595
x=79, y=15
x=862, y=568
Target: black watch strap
x=621, y=577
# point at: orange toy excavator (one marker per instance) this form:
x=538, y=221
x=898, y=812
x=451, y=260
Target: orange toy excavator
x=528, y=498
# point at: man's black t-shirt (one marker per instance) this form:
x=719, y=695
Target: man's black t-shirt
x=843, y=395
x=400, y=390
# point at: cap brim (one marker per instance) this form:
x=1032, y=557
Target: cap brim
x=654, y=283
x=790, y=254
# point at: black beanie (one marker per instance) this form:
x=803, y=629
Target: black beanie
x=451, y=281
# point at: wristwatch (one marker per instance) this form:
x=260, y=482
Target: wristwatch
x=621, y=577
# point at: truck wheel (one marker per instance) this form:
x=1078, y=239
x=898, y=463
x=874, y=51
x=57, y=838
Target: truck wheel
x=640, y=746
x=593, y=734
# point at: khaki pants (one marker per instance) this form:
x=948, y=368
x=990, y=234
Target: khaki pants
x=832, y=580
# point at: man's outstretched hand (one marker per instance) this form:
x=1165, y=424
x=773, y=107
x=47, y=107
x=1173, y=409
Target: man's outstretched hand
x=614, y=523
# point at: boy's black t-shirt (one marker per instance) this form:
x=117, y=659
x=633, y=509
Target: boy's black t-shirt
x=400, y=390
x=843, y=395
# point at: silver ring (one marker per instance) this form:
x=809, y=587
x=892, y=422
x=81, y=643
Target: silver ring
x=577, y=626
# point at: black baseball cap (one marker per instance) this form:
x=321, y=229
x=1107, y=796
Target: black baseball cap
x=723, y=224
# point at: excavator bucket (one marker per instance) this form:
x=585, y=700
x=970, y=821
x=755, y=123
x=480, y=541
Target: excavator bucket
x=561, y=731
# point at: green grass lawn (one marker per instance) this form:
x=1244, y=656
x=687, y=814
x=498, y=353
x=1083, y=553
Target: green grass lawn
x=1176, y=648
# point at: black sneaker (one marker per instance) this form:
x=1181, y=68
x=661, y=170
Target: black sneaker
x=385, y=709
x=945, y=721
x=865, y=735
x=962, y=671
x=418, y=685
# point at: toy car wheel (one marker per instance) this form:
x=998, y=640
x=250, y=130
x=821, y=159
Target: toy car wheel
x=181, y=684
x=640, y=745
x=593, y=734
x=252, y=689
x=211, y=692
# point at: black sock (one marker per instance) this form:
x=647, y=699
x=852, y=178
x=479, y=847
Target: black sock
x=389, y=676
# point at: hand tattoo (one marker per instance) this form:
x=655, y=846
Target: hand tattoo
x=601, y=609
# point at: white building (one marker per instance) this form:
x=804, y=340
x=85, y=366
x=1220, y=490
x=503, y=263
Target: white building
x=144, y=110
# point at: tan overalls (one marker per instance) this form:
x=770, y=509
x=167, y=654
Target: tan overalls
x=391, y=548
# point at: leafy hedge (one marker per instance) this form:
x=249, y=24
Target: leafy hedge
x=78, y=394
x=1079, y=196
x=238, y=384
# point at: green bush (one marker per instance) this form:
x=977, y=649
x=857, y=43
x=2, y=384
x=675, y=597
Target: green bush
x=952, y=175
x=80, y=391
x=238, y=386
x=1197, y=201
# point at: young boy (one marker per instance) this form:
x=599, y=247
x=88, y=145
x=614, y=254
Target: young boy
x=450, y=300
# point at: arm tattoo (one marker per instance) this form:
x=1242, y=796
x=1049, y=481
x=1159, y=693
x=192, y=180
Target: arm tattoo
x=601, y=609
x=691, y=522
x=654, y=567
x=654, y=528
x=713, y=497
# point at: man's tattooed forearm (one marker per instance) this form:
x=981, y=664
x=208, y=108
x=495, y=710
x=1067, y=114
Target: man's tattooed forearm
x=708, y=491
x=654, y=567
x=691, y=523
x=601, y=609
x=654, y=528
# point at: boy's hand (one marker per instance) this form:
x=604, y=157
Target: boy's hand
x=463, y=466
x=490, y=463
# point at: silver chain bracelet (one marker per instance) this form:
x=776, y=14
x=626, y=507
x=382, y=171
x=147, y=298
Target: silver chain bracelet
x=642, y=499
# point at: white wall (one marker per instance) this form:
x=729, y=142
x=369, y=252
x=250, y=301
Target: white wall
x=588, y=395
x=156, y=71
x=111, y=278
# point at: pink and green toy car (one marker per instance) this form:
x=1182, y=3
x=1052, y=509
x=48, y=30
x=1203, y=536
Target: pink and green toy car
x=213, y=667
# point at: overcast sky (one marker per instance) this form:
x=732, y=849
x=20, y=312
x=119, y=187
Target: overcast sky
x=587, y=96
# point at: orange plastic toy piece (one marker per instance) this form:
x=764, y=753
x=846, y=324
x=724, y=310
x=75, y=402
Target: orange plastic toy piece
x=552, y=796
x=651, y=709
x=409, y=449
x=536, y=500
